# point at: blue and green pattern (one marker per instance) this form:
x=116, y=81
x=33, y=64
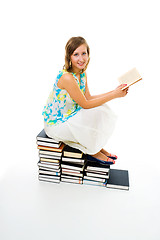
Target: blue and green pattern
x=60, y=106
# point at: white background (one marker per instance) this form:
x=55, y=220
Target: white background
x=121, y=35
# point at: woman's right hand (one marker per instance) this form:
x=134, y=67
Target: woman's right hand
x=119, y=92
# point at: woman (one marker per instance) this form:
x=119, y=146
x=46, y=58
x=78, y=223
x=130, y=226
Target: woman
x=72, y=115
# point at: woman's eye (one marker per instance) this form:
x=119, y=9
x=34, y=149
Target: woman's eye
x=76, y=54
x=84, y=53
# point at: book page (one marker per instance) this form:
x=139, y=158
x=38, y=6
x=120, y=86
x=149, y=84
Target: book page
x=130, y=78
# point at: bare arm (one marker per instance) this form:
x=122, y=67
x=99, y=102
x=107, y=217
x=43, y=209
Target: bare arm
x=68, y=83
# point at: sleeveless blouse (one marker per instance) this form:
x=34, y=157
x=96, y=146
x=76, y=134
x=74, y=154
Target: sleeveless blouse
x=60, y=106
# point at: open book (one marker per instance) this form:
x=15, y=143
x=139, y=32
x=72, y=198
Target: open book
x=130, y=78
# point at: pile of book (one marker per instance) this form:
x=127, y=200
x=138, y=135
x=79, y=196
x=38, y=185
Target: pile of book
x=102, y=175
x=96, y=174
x=50, y=153
x=60, y=162
x=72, y=165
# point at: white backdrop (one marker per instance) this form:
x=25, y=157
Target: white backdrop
x=121, y=35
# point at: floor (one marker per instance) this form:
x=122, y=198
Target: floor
x=36, y=210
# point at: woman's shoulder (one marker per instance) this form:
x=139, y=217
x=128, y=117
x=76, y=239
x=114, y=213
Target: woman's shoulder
x=65, y=78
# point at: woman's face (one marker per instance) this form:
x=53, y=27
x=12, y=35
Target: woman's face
x=79, y=58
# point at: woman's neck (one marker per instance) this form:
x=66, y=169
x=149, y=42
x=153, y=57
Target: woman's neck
x=76, y=71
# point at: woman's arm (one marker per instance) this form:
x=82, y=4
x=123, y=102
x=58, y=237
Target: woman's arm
x=68, y=83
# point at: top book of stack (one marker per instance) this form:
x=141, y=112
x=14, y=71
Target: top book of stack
x=44, y=140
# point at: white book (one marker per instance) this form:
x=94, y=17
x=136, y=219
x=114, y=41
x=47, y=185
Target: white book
x=48, y=165
x=72, y=177
x=49, y=156
x=130, y=78
x=95, y=179
x=50, y=153
x=105, y=176
x=94, y=183
x=49, y=180
x=48, y=144
x=74, y=160
x=71, y=180
x=71, y=172
x=49, y=160
x=43, y=137
x=50, y=169
x=49, y=173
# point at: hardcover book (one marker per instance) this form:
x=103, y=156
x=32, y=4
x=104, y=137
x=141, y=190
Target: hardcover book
x=73, y=160
x=43, y=137
x=50, y=155
x=45, y=179
x=78, y=181
x=46, y=165
x=52, y=149
x=94, y=179
x=48, y=173
x=94, y=183
x=72, y=152
x=49, y=160
x=72, y=166
x=118, y=179
x=49, y=144
x=95, y=166
x=94, y=174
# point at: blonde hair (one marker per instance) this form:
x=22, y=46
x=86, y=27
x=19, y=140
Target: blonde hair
x=72, y=44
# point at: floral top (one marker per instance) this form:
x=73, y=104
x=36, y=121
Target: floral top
x=60, y=106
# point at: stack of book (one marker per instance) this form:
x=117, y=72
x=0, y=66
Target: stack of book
x=72, y=165
x=50, y=154
x=60, y=162
x=96, y=174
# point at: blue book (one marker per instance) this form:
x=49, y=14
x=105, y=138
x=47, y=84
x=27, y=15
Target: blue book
x=118, y=179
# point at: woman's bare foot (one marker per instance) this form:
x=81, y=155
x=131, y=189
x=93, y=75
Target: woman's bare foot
x=103, y=157
x=108, y=154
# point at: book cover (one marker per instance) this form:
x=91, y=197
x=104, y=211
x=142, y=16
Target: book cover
x=43, y=137
x=68, y=180
x=72, y=166
x=50, y=155
x=72, y=172
x=48, y=173
x=119, y=179
x=72, y=152
x=94, y=183
x=71, y=177
x=95, y=166
x=91, y=174
x=49, y=169
x=48, y=165
x=94, y=179
x=52, y=149
x=73, y=160
x=50, y=160
x=49, y=144
x=44, y=179
x=130, y=78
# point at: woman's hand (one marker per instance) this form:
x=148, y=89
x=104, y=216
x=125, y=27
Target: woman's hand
x=119, y=92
